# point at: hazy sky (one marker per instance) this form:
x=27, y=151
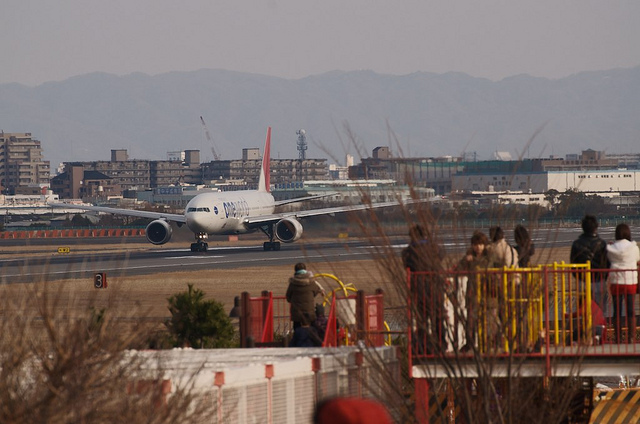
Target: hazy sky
x=52, y=40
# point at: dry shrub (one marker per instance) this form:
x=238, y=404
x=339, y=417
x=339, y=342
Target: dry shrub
x=60, y=366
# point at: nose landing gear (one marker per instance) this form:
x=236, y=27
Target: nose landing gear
x=200, y=245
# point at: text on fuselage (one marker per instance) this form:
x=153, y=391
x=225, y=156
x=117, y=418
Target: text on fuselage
x=236, y=209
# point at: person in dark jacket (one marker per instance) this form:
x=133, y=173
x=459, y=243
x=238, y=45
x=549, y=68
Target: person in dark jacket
x=424, y=256
x=301, y=295
x=589, y=247
x=320, y=324
x=524, y=246
x=305, y=335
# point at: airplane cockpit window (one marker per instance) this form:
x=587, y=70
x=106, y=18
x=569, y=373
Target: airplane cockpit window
x=191, y=209
x=203, y=210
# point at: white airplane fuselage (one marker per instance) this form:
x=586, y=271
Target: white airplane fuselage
x=224, y=213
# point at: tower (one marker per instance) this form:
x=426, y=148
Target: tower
x=302, y=144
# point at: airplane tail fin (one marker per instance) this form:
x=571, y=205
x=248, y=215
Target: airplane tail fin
x=264, y=183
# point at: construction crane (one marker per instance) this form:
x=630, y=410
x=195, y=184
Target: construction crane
x=206, y=133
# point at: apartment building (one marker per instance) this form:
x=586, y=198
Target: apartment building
x=282, y=170
x=142, y=174
x=76, y=183
x=21, y=163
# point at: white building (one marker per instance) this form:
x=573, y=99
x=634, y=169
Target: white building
x=596, y=181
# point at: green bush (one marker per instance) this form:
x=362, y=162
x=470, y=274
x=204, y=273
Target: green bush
x=198, y=323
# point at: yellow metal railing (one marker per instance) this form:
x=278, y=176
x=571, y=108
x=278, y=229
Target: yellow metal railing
x=514, y=298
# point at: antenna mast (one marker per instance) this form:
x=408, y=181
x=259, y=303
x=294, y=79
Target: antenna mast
x=302, y=144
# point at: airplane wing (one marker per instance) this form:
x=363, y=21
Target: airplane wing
x=126, y=212
x=302, y=199
x=255, y=221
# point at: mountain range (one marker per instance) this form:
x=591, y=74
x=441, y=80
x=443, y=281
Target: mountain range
x=420, y=114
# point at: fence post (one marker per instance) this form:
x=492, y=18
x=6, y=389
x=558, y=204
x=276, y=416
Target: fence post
x=410, y=324
x=268, y=373
x=421, y=389
x=359, y=362
x=380, y=317
x=361, y=317
x=218, y=381
x=546, y=306
x=315, y=367
x=245, y=318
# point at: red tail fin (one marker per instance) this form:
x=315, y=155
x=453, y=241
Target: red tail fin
x=264, y=183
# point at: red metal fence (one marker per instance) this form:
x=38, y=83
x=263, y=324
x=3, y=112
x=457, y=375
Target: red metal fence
x=73, y=233
x=266, y=321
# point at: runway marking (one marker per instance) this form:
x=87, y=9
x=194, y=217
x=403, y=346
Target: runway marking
x=193, y=257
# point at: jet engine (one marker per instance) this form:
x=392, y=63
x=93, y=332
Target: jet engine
x=288, y=230
x=158, y=231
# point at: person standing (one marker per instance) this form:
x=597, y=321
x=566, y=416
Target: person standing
x=589, y=247
x=476, y=259
x=624, y=255
x=500, y=252
x=424, y=257
x=524, y=246
x=524, y=308
x=301, y=295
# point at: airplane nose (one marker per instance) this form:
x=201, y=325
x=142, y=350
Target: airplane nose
x=196, y=222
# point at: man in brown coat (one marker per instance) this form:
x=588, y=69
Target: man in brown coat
x=301, y=295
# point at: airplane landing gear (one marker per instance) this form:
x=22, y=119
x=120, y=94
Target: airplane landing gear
x=200, y=246
x=271, y=245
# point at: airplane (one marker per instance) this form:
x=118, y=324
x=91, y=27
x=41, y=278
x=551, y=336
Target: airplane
x=229, y=213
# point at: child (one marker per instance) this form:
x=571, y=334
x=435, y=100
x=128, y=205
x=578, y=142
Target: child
x=305, y=335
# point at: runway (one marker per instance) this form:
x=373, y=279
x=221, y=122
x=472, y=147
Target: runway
x=34, y=268
x=158, y=260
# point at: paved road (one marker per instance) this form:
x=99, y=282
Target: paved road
x=84, y=265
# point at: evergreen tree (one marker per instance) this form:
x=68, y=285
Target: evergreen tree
x=198, y=323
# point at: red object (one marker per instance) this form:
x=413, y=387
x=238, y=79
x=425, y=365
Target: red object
x=351, y=411
x=331, y=335
x=618, y=289
x=597, y=317
x=267, y=330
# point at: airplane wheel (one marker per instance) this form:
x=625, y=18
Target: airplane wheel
x=267, y=246
x=276, y=245
x=194, y=247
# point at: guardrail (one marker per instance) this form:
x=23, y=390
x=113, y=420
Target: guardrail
x=546, y=310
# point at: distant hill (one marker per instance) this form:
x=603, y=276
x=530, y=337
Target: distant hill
x=420, y=114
